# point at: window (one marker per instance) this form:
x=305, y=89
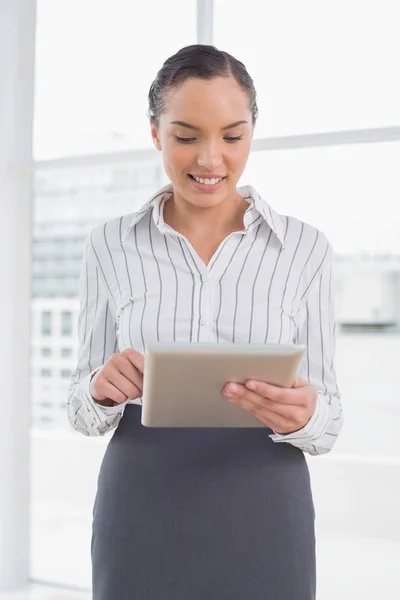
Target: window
x=47, y=351
x=46, y=373
x=46, y=404
x=66, y=373
x=46, y=323
x=317, y=66
x=46, y=420
x=124, y=177
x=347, y=191
x=66, y=323
x=66, y=352
x=109, y=112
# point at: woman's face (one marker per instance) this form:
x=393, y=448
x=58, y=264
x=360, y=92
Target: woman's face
x=205, y=135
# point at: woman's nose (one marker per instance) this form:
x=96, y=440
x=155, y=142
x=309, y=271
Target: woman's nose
x=209, y=157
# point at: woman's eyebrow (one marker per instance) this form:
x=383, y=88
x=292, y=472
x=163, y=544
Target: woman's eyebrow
x=189, y=126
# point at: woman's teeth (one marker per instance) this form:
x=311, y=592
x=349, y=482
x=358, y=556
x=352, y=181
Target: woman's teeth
x=207, y=181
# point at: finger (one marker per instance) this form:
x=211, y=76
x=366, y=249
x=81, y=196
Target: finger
x=270, y=418
x=248, y=399
x=288, y=412
x=124, y=366
x=240, y=392
x=300, y=383
x=260, y=393
x=124, y=385
x=251, y=400
x=135, y=358
x=110, y=391
x=275, y=393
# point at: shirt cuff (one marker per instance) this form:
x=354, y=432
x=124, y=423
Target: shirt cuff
x=106, y=411
x=315, y=427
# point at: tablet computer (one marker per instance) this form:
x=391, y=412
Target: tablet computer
x=183, y=383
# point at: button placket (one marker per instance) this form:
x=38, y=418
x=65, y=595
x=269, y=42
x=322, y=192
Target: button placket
x=204, y=317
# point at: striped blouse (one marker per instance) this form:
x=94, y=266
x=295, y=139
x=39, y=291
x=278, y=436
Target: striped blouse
x=143, y=282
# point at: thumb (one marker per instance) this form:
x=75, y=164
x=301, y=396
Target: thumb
x=299, y=382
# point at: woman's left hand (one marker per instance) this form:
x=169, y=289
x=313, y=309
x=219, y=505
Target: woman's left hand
x=285, y=410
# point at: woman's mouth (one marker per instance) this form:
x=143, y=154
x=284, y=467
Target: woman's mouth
x=207, y=184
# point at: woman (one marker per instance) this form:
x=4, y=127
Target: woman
x=205, y=514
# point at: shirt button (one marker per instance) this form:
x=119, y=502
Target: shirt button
x=203, y=321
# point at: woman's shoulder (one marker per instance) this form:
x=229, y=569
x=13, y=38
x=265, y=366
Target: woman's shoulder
x=113, y=231
x=109, y=234
x=307, y=241
x=298, y=230
x=295, y=234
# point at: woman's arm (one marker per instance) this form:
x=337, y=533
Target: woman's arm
x=318, y=333
x=97, y=342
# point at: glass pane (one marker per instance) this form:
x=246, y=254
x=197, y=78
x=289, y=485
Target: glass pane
x=69, y=202
x=350, y=192
x=95, y=62
x=66, y=352
x=66, y=323
x=318, y=66
x=46, y=323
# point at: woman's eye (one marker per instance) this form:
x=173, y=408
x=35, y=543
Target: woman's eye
x=233, y=139
x=185, y=140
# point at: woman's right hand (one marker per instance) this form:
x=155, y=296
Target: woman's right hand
x=119, y=379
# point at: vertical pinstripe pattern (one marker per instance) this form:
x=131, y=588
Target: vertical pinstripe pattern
x=317, y=233
x=290, y=272
x=145, y=288
x=221, y=288
x=321, y=339
x=308, y=343
x=200, y=306
x=176, y=285
x=130, y=324
x=254, y=284
x=86, y=311
x=271, y=282
x=318, y=270
x=238, y=281
x=160, y=282
x=104, y=276
x=188, y=246
x=112, y=260
x=193, y=286
x=105, y=334
x=214, y=260
x=124, y=253
x=270, y=285
x=94, y=318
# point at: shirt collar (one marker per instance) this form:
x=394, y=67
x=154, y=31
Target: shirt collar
x=257, y=207
x=276, y=221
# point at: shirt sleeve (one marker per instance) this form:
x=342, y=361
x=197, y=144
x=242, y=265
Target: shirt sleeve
x=97, y=342
x=318, y=334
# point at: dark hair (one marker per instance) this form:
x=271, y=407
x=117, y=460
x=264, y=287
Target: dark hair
x=202, y=62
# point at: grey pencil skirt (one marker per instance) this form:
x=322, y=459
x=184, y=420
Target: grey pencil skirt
x=201, y=514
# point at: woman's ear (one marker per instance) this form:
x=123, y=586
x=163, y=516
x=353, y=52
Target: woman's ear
x=154, y=135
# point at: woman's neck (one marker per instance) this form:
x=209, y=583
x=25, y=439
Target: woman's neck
x=200, y=222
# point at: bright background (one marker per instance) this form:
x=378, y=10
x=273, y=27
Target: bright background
x=327, y=151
